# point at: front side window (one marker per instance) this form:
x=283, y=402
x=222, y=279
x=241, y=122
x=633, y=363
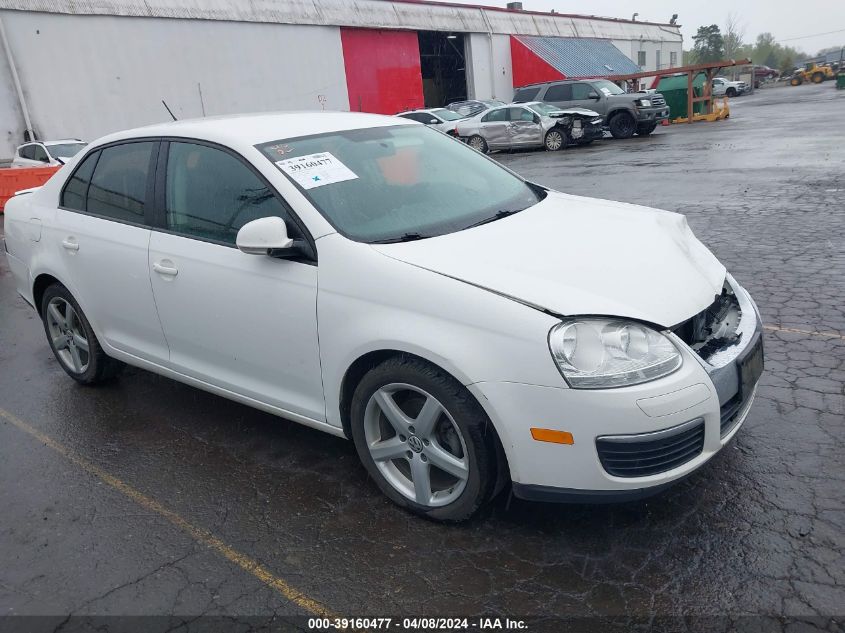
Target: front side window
x=211, y=194
x=75, y=192
x=521, y=114
x=398, y=183
x=27, y=151
x=581, y=91
x=559, y=92
x=118, y=187
x=416, y=116
x=495, y=115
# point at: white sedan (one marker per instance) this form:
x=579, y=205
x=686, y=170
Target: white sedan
x=374, y=279
x=439, y=118
x=47, y=153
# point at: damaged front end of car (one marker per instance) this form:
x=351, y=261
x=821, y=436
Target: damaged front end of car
x=581, y=126
x=727, y=338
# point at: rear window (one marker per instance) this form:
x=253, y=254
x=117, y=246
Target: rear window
x=526, y=94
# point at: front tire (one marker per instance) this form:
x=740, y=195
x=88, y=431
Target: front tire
x=818, y=77
x=424, y=439
x=731, y=92
x=72, y=339
x=554, y=140
x=645, y=130
x=478, y=143
x=622, y=125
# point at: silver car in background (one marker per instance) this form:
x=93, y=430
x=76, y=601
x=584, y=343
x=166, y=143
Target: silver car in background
x=533, y=124
x=438, y=118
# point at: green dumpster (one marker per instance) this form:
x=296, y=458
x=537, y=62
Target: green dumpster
x=840, y=81
x=674, y=90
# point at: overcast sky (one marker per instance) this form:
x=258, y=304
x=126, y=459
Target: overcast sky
x=784, y=20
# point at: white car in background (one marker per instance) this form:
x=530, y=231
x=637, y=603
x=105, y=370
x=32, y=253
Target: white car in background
x=47, y=153
x=724, y=87
x=439, y=118
x=376, y=280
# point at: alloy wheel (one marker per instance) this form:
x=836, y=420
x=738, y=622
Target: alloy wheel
x=477, y=143
x=416, y=444
x=554, y=140
x=67, y=335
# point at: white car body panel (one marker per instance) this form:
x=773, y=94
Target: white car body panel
x=280, y=335
x=258, y=338
x=646, y=245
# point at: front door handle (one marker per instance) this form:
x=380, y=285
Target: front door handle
x=165, y=267
x=70, y=244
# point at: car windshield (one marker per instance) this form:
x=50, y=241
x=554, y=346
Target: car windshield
x=65, y=150
x=398, y=183
x=447, y=115
x=543, y=108
x=607, y=87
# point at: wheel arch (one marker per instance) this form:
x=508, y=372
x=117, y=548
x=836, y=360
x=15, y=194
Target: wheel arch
x=364, y=363
x=39, y=287
x=620, y=110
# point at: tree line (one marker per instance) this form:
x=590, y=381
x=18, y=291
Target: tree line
x=712, y=44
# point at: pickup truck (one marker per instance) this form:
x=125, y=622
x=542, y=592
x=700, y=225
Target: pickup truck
x=624, y=113
x=723, y=87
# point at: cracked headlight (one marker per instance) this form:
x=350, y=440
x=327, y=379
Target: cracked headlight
x=594, y=353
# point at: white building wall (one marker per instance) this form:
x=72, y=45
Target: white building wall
x=481, y=83
x=85, y=76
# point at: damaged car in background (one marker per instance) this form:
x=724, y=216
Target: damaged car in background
x=533, y=124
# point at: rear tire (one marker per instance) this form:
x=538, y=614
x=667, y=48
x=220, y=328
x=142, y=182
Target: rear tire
x=403, y=448
x=72, y=339
x=796, y=81
x=622, y=125
x=818, y=77
x=478, y=143
x=645, y=130
x=731, y=92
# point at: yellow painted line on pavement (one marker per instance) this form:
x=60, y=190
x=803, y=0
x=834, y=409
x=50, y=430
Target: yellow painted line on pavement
x=200, y=535
x=792, y=330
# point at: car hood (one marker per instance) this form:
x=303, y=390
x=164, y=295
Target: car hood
x=574, y=256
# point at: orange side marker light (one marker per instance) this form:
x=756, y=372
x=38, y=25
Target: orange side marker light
x=553, y=436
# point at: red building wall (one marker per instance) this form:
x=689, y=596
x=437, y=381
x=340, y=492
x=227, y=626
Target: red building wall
x=528, y=68
x=382, y=70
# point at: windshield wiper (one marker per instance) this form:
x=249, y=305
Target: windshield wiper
x=497, y=216
x=405, y=237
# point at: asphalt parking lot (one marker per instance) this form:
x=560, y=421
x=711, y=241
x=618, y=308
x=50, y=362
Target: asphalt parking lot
x=148, y=497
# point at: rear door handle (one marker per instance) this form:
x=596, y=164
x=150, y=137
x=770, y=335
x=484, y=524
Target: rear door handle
x=165, y=268
x=70, y=244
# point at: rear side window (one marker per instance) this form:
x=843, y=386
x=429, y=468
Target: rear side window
x=559, y=92
x=118, y=188
x=495, y=115
x=210, y=194
x=526, y=94
x=76, y=189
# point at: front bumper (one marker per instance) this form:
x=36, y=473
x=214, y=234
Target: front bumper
x=652, y=115
x=697, y=393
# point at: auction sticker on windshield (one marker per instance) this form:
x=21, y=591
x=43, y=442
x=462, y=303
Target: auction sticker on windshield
x=316, y=170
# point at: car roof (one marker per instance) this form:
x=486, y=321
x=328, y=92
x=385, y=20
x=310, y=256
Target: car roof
x=48, y=143
x=239, y=130
x=423, y=110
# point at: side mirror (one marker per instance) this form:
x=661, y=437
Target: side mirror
x=433, y=122
x=594, y=95
x=264, y=235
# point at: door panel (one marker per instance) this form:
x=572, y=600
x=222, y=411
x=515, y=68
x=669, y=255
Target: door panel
x=245, y=323
x=495, y=133
x=523, y=130
x=106, y=262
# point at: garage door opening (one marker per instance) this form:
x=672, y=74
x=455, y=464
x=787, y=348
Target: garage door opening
x=443, y=66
